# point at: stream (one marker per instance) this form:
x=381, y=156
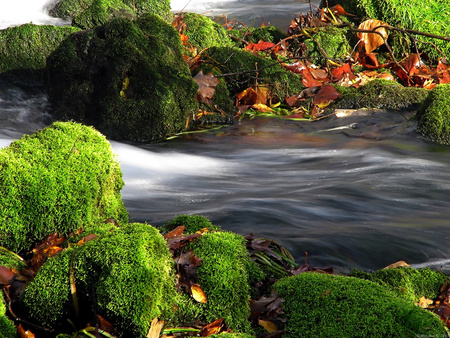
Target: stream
x=363, y=195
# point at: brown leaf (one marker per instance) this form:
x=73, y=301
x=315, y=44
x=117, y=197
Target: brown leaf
x=198, y=294
x=212, y=328
x=339, y=72
x=206, y=84
x=178, y=231
x=268, y=325
x=6, y=275
x=23, y=333
x=371, y=41
x=86, y=239
x=424, y=302
x=155, y=328
x=260, y=46
x=396, y=265
x=326, y=95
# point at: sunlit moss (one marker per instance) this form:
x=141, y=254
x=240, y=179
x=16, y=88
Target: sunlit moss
x=57, y=180
x=101, y=11
x=328, y=43
x=407, y=282
x=125, y=276
x=434, y=115
x=192, y=223
x=321, y=305
x=7, y=327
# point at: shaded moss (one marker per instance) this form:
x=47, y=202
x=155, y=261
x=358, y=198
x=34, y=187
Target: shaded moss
x=192, y=223
x=434, y=115
x=11, y=260
x=24, y=49
x=255, y=34
x=124, y=276
x=57, y=180
x=321, y=305
x=7, y=327
x=127, y=78
x=203, y=32
x=329, y=42
x=239, y=65
x=381, y=94
x=407, y=282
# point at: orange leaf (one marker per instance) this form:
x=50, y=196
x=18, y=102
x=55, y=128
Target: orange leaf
x=338, y=9
x=212, y=328
x=396, y=265
x=268, y=325
x=198, y=294
x=326, y=94
x=262, y=108
x=339, y=72
x=424, y=302
x=260, y=46
x=23, y=333
x=178, y=231
x=155, y=328
x=371, y=41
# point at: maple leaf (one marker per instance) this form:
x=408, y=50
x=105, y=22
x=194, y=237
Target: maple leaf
x=371, y=41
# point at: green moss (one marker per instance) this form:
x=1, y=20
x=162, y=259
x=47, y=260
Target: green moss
x=11, y=259
x=232, y=335
x=101, y=11
x=57, y=180
x=434, y=115
x=223, y=275
x=24, y=49
x=192, y=223
x=255, y=34
x=381, y=94
x=329, y=42
x=224, y=60
x=127, y=78
x=203, y=32
x=407, y=282
x=124, y=276
x=321, y=305
x=7, y=327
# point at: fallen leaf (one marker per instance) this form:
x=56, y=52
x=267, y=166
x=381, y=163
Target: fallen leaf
x=396, y=265
x=424, y=302
x=326, y=94
x=178, y=231
x=198, y=294
x=268, y=325
x=212, y=328
x=260, y=46
x=206, y=84
x=6, y=275
x=371, y=41
x=23, y=333
x=262, y=108
x=155, y=328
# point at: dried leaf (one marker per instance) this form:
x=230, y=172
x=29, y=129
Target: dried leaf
x=260, y=46
x=155, y=328
x=262, y=108
x=23, y=333
x=6, y=275
x=424, y=302
x=268, y=325
x=206, y=84
x=178, y=231
x=396, y=265
x=86, y=239
x=371, y=41
x=326, y=95
x=212, y=328
x=198, y=294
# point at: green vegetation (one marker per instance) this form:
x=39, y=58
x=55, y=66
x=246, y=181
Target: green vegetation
x=255, y=34
x=24, y=49
x=7, y=327
x=192, y=223
x=59, y=179
x=381, y=94
x=203, y=32
x=329, y=42
x=407, y=282
x=125, y=276
x=131, y=83
x=232, y=335
x=321, y=305
x=434, y=115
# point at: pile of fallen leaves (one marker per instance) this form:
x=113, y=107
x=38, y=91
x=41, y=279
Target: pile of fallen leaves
x=310, y=103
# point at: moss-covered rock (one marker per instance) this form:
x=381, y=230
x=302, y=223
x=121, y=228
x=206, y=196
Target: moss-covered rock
x=127, y=78
x=240, y=64
x=24, y=50
x=327, y=43
x=224, y=277
x=381, y=94
x=125, y=276
x=98, y=10
x=434, y=115
x=320, y=305
x=407, y=282
x=428, y=16
x=7, y=327
x=203, y=32
x=192, y=223
x=57, y=180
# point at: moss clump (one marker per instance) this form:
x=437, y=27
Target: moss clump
x=381, y=94
x=101, y=11
x=24, y=50
x=225, y=60
x=7, y=327
x=224, y=277
x=11, y=260
x=407, y=282
x=192, y=223
x=329, y=42
x=127, y=78
x=320, y=305
x=57, y=180
x=125, y=276
x=255, y=34
x=434, y=115
x=203, y=32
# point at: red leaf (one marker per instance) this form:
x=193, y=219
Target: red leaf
x=326, y=93
x=260, y=46
x=339, y=72
x=178, y=231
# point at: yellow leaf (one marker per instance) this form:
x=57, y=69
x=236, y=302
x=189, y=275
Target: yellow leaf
x=198, y=294
x=396, y=265
x=262, y=108
x=125, y=85
x=268, y=325
x=424, y=302
x=371, y=41
x=155, y=328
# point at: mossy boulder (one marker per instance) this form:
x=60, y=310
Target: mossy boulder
x=321, y=305
x=434, y=115
x=203, y=32
x=428, y=16
x=7, y=327
x=24, y=50
x=125, y=276
x=192, y=224
x=327, y=43
x=89, y=13
x=239, y=65
x=381, y=94
x=128, y=78
x=59, y=179
x=407, y=282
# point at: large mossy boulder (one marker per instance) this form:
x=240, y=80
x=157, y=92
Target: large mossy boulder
x=59, y=179
x=427, y=16
x=321, y=305
x=434, y=115
x=126, y=276
x=24, y=50
x=90, y=13
x=128, y=78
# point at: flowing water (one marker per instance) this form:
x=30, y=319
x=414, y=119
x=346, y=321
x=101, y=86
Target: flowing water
x=365, y=195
